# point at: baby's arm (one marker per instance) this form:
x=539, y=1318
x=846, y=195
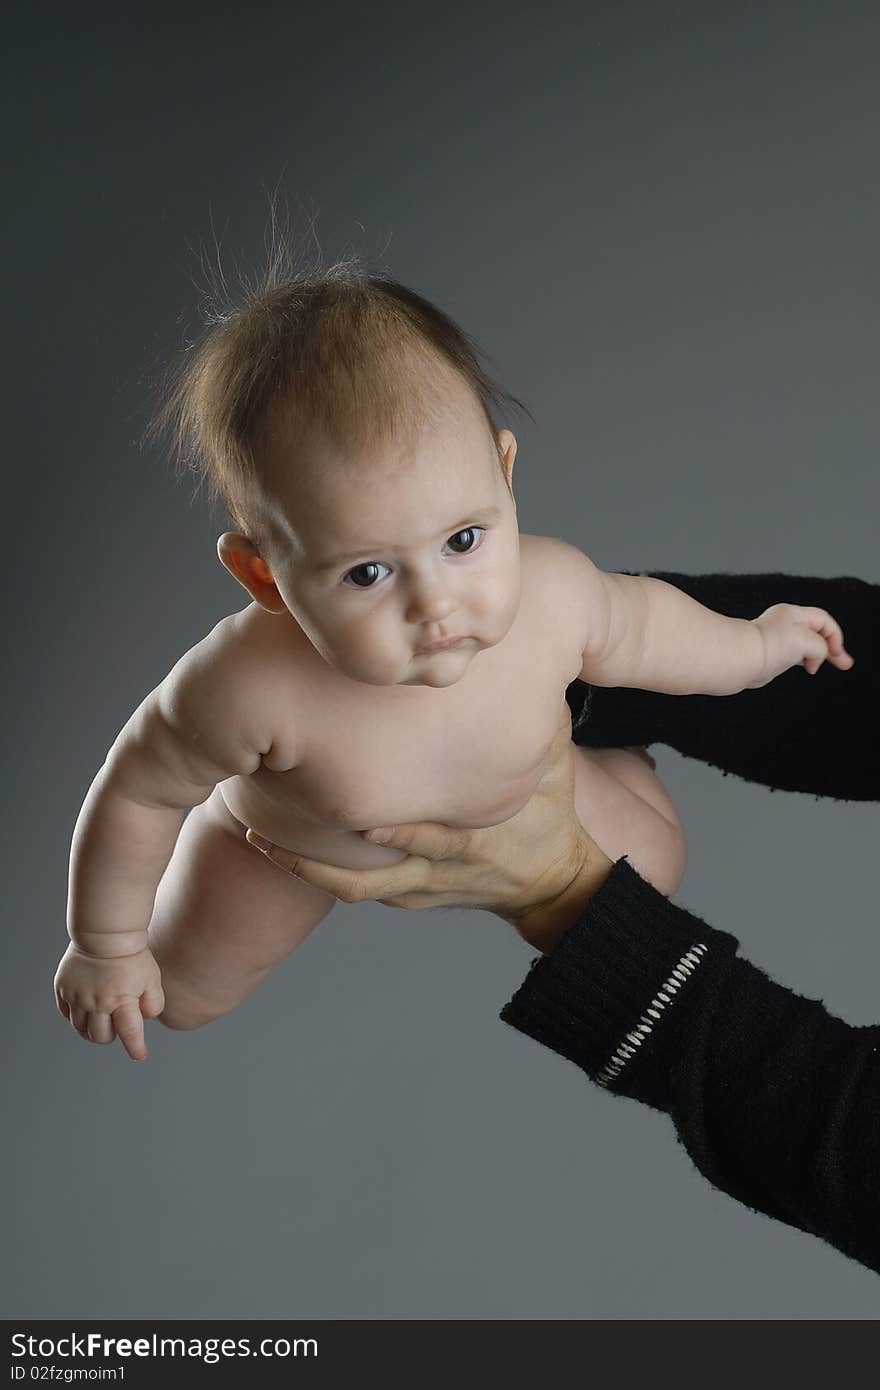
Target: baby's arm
x=200, y=726
x=646, y=634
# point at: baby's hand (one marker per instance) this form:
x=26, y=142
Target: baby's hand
x=107, y=997
x=796, y=636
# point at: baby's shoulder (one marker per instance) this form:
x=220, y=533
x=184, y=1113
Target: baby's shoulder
x=557, y=576
x=549, y=558
x=552, y=569
x=238, y=648
x=238, y=675
x=264, y=641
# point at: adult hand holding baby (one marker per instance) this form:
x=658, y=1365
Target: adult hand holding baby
x=535, y=870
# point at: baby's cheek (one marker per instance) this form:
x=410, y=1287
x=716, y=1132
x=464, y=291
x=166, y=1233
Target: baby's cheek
x=372, y=658
x=500, y=609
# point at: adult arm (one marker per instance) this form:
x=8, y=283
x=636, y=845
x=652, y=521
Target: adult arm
x=774, y=1098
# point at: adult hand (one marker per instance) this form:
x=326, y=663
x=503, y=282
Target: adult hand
x=536, y=870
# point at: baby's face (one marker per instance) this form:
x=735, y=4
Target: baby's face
x=382, y=558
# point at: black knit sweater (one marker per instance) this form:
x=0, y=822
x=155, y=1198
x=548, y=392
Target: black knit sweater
x=776, y=1100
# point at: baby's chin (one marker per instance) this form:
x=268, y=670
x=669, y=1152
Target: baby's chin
x=434, y=682
x=435, y=673
x=441, y=674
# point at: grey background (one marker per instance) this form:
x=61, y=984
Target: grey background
x=661, y=222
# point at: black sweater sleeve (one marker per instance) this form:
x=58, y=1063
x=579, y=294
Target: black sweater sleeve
x=776, y=1101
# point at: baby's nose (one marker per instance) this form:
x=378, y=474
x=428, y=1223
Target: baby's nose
x=430, y=604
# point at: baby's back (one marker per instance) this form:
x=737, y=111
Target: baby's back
x=347, y=756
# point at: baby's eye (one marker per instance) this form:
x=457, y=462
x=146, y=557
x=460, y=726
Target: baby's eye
x=470, y=542
x=364, y=576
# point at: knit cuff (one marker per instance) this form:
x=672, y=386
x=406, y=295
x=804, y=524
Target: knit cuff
x=605, y=996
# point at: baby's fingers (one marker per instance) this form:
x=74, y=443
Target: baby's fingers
x=78, y=1018
x=129, y=1024
x=823, y=623
x=99, y=1029
x=828, y=628
x=152, y=1001
x=841, y=659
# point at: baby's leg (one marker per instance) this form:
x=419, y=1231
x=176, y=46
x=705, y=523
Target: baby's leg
x=223, y=917
x=624, y=806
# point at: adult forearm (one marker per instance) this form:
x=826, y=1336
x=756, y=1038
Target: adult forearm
x=119, y=852
x=774, y=1099
x=799, y=733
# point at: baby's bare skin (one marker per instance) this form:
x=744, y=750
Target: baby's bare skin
x=369, y=756
x=321, y=711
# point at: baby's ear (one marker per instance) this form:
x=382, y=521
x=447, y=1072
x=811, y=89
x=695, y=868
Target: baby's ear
x=507, y=443
x=237, y=555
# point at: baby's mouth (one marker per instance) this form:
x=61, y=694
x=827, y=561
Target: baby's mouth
x=444, y=646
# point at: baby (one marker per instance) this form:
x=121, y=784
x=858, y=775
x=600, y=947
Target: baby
x=404, y=657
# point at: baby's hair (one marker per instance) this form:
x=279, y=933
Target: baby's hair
x=339, y=351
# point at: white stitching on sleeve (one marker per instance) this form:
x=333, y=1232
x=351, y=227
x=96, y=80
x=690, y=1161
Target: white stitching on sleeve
x=685, y=967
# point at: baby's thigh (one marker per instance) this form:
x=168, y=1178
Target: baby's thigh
x=624, y=806
x=224, y=914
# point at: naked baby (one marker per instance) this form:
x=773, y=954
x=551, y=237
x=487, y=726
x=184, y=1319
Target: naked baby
x=404, y=657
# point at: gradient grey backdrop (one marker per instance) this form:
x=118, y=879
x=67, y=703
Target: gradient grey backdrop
x=661, y=222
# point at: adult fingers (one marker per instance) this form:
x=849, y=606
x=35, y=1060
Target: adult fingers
x=427, y=839
x=129, y=1024
x=349, y=885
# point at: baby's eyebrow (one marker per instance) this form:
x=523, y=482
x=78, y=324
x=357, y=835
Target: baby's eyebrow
x=487, y=513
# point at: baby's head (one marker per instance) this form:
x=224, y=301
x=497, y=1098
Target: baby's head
x=345, y=422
